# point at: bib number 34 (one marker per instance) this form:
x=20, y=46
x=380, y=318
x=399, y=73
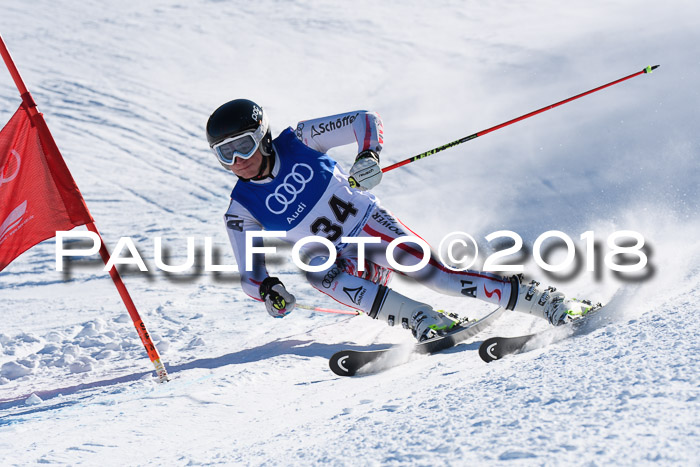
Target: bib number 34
x=334, y=230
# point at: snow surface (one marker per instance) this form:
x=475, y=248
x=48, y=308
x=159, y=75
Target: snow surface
x=126, y=88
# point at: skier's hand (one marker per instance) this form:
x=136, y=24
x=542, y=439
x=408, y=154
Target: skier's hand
x=278, y=302
x=365, y=173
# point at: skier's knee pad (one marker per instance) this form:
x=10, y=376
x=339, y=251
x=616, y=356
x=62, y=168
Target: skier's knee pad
x=371, y=271
x=351, y=290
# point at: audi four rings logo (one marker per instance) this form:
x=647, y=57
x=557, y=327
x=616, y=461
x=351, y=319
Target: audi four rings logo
x=329, y=277
x=293, y=184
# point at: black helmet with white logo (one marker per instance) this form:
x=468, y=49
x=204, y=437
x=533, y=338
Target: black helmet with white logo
x=237, y=129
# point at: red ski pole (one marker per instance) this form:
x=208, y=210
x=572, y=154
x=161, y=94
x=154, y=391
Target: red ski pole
x=425, y=154
x=328, y=310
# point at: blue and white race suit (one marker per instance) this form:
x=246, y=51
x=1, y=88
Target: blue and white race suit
x=309, y=194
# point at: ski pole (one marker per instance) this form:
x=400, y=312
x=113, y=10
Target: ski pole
x=523, y=117
x=328, y=310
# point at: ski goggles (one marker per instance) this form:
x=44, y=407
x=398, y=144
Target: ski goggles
x=242, y=146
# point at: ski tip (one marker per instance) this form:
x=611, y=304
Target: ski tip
x=650, y=68
x=338, y=363
x=489, y=351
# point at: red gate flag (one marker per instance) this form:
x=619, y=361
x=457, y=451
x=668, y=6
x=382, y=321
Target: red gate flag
x=38, y=196
x=37, y=193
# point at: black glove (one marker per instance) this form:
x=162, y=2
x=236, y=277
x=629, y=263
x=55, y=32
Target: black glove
x=278, y=302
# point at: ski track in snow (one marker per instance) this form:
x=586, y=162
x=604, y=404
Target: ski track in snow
x=126, y=89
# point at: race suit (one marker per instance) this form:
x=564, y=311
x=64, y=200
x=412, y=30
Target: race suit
x=308, y=194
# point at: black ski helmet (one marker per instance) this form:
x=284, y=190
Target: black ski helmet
x=236, y=117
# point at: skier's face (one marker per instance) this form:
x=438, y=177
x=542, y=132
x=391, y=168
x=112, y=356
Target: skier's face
x=247, y=168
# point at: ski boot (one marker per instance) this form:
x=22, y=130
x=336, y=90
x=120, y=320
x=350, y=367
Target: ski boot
x=424, y=322
x=548, y=303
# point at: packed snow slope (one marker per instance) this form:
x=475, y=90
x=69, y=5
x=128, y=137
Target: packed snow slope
x=126, y=88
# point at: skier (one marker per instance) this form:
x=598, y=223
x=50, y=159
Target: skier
x=290, y=184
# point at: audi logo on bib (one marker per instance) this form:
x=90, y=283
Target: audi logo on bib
x=293, y=184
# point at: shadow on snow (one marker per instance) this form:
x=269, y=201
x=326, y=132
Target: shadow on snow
x=302, y=348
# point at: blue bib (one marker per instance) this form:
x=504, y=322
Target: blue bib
x=282, y=203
